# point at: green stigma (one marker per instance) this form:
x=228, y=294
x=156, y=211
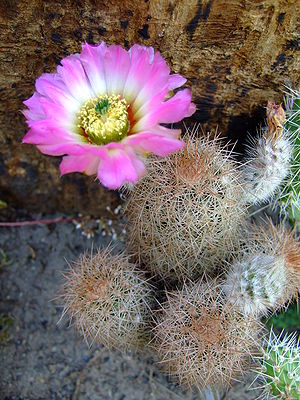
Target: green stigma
x=103, y=119
x=102, y=106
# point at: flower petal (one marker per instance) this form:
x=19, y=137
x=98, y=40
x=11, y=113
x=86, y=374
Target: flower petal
x=53, y=139
x=149, y=106
x=116, y=65
x=141, y=58
x=56, y=112
x=175, y=81
x=75, y=78
x=60, y=149
x=163, y=131
x=92, y=59
x=155, y=84
x=170, y=111
x=35, y=110
x=154, y=143
x=117, y=167
x=86, y=163
x=52, y=87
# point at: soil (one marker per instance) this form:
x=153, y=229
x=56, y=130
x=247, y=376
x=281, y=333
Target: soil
x=42, y=358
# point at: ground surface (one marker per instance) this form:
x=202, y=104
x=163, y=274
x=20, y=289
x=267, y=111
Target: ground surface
x=42, y=359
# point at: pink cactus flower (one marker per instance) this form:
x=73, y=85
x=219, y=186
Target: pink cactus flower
x=102, y=111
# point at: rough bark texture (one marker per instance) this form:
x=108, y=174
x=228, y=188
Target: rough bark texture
x=236, y=55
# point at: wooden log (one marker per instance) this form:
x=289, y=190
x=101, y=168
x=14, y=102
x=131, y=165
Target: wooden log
x=236, y=55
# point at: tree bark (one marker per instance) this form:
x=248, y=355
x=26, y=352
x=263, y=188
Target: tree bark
x=235, y=54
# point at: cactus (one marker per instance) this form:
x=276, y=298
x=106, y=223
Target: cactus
x=289, y=197
x=185, y=216
x=202, y=339
x=256, y=283
x=266, y=273
x=268, y=158
x=108, y=300
x=279, y=373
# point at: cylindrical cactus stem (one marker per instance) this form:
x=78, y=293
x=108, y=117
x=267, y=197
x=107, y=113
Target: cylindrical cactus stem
x=108, y=300
x=202, y=339
x=266, y=274
x=268, y=158
x=279, y=373
x=289, y=197
x=256, y=283
x=185, y=215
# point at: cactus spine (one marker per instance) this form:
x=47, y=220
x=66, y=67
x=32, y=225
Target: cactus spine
x=279, y=373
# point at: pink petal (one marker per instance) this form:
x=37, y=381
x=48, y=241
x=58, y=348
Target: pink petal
x=163, y=131
x=47, y=79
x=141, y=58
x=175, y=81
x=60, y=149
x=116, y=65
x=92, y=59
x=117, y=167
x=56, y=112
x=170, y=111
x=152, y=104
x=153, y=143
x=52, y=87
x=52, y=139
x=156, y=83
x=75, y=78
x=86, y=163
x=191, y=110
x=35, y=111
x=51, y=131
x=137, y=162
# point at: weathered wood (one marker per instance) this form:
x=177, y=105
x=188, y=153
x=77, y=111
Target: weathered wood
x=235, y=54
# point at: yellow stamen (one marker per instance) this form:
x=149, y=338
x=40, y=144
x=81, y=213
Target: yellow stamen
x=104, y=119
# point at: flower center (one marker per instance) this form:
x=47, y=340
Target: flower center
x=104, y=119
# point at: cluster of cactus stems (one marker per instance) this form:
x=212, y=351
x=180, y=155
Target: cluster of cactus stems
x=213, y=272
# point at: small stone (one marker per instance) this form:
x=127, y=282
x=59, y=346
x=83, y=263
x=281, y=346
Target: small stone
x=52, y=368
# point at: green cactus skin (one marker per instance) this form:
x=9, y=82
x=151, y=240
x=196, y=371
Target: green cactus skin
x=280, y=368
x=289, y=197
